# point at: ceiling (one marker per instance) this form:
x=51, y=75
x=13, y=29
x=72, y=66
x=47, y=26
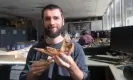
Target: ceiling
x=71, y=8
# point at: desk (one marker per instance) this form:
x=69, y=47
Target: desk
x=14, y=57
x=11, y=60
x=117, y=73
x=7, y=59
x=7, y=62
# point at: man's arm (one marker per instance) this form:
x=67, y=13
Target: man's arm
x=75, y=72
x=79, y=58
x=68, y=62
x=25, y=72
x=80, y=67
x=75, y=63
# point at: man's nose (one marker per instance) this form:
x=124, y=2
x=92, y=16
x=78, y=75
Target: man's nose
x=52, y=21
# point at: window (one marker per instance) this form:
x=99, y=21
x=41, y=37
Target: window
x=109, y=18
x=118, y=19
x=105, y=22
x=112, y=15
x=127, y=12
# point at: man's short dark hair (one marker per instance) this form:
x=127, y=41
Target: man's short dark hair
x=51, y=7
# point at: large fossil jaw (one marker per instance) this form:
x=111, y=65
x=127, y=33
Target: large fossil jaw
x=66, y=47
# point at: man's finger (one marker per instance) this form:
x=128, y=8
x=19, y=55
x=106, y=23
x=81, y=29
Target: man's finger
x=64, y=57
x=40, y=63
x=37, y=68
x=61, y=62
x=38, y=72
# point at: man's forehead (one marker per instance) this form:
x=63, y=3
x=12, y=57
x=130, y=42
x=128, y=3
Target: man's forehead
x=49, y=12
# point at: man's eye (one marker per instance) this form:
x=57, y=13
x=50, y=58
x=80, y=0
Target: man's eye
x=47, y=18
x=56, y=18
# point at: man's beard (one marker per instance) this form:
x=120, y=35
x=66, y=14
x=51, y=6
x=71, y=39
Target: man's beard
x=53, y=34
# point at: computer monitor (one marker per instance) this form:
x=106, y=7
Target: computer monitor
x=122, y=39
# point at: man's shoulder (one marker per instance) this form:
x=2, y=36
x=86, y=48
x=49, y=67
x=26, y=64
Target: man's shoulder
x=78, y=51
x=77, y=46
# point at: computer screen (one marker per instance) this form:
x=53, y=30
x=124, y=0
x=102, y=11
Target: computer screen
x=122, y=39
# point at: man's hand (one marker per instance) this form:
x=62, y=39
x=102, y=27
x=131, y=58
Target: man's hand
x=64, y=60
x=67, y=61
x=39, y=66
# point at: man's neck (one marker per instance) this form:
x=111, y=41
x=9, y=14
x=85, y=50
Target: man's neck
x=54, y=40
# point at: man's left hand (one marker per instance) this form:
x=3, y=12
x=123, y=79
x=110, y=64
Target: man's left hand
x=64, y=60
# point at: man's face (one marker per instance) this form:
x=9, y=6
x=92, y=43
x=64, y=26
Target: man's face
x=53, y=22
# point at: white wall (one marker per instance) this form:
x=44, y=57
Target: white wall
x=96, y=25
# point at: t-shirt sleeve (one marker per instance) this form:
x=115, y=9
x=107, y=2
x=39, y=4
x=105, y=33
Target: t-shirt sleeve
x=79, y=58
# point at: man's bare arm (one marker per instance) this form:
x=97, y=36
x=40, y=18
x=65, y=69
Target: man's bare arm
x=75, y=72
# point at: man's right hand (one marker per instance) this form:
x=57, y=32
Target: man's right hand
x=38, y=67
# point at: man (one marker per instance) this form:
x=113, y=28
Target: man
x=67, y=66
x=86, y=39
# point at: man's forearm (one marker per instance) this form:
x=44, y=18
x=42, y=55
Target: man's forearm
x=75, y=72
